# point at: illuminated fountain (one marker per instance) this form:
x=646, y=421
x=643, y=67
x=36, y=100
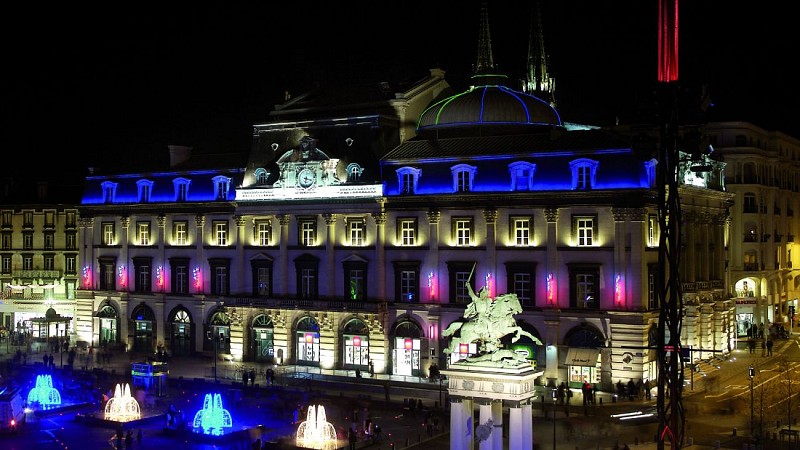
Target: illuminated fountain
x=44, y=393
x=122, y=407
x=316, y=432
x=213, y=417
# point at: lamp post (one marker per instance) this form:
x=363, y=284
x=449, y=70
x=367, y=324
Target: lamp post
x=553, y=395
x=61, y=345
x=752, y=373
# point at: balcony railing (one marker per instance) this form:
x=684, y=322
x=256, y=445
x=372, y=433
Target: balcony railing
x=299, y=303
x=750, y=266
x=46, y=274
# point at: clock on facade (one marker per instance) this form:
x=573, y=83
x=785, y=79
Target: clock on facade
x=305, y=178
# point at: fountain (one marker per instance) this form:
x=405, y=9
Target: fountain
x=44, y=394
x=213, y=417
x=122, y=407
x=316, y=432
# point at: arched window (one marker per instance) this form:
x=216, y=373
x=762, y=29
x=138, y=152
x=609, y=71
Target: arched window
x=263, y=340
x=355, y=336
x=407, y=351
x=307, y=339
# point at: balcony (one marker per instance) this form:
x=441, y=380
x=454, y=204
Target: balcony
x=43, y=274
x=751, y=266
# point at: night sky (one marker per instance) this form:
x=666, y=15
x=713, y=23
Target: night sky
x=86, y=84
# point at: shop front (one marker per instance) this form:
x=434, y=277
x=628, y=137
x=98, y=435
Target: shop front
x=582, y=366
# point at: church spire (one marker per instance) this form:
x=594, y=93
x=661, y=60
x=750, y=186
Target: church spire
x=484, y=62
x=538, y=81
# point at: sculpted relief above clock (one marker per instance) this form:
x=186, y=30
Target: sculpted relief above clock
x=307, y=166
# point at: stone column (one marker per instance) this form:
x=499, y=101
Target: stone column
x=462, y=437
x=86, y=254
x=516, y=435
x=490, y=216
x=497, y=419
x=283, y=265
x=330, y=260
x=527, y=427
x=620, y=216
x=485, y=416
x=636, y=278
x=551, y=346
x=200, y=261
x=433, y=254
x=380, y=253
x=124, y=223
x=162, y=264
x=239, y=266
x=551, y=215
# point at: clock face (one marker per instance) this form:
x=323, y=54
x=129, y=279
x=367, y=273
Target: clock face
x=305, y=178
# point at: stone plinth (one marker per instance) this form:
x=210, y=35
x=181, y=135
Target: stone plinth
x=492, y=388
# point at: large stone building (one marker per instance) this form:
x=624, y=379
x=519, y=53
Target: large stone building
x=348, y=233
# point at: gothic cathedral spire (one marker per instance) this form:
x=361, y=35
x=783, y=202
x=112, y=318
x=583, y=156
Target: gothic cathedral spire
x=484, y=62
x=538, y=81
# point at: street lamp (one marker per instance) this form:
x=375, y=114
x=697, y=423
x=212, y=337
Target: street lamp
x=752, y=373
x=553, y=395
x=216, y=339
x=61, y=345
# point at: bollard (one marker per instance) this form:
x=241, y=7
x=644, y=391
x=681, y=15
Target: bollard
x=614, y=398
x=734, y=431
x=601, y=401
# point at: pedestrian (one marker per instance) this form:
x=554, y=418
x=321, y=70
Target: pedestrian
x=631, y=389
x=119, y=437
x=763, y=348
x=129, y=439
x=769, y=347
x=371, y=369
x=352, y=437
x=139, y=437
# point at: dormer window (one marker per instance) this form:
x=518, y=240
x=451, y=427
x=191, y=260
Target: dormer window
x=521, y=175
x=145, y=188
x=407, y=178
x=261, y=176
x=221, y=186
x=463, y=176
x=584, y=172
x=354, y=172
x=109, y=190
x=650, y=169
x=181, y=189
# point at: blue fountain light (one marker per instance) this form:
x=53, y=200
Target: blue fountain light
x=213, y=417
x=44, y=393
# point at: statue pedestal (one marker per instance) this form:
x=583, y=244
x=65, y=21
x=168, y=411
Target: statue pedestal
x=492, y=386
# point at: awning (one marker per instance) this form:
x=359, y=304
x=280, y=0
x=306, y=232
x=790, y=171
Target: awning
x=582, y=356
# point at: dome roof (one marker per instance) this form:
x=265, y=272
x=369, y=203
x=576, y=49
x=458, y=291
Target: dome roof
x=489, y=105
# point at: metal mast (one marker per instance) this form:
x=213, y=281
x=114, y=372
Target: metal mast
x=670, y=375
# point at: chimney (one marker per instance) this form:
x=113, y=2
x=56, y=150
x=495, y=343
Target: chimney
x=179, y=154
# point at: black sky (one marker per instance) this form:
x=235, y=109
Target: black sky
x=86, y=84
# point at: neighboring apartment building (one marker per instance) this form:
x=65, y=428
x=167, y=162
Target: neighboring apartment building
x=763, y=171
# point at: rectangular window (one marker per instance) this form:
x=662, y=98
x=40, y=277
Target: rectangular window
x=308, y=283
x=264, y=233
x=408, y=183
x=71, y=241
x=263, y=281
x=49, y=262
x=521, y=231
x=462, y=231
x=71, y=265
x=355, y=231
x=406, y=275
x=7, y=216
x=584, y=231
x=27, y=219
x=221, y=233
x=520, y=281
x=145, y=193
x=308, y=232
x=221, y=280
x=584, y=286
x=49, y=240
x=71, y=218
x=183, y=190
x=6, y=241
x=27, y=262
x=5, y=264
x=355, y=284
x=49, y=219
x=462, y=181
x=462, y=294
x=143, y=280
x=108, y=233
x=652, y=300
x=143, y=231
x=407, y=230
x=179, y=230
x=107, y=275
x=652, y=230
x=584, y=177
x=27, y=241
x=181, y=280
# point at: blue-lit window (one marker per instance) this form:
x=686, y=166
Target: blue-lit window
x=463, y=176
x=221, y=187
x=584, y=172
x=408, y=177
x=145, y=189
x=521, y=175
x=181, y=189
x=109, y=190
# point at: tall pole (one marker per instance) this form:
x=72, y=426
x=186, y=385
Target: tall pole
x=554, y=419
x=752, y=420
x=668, y=289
